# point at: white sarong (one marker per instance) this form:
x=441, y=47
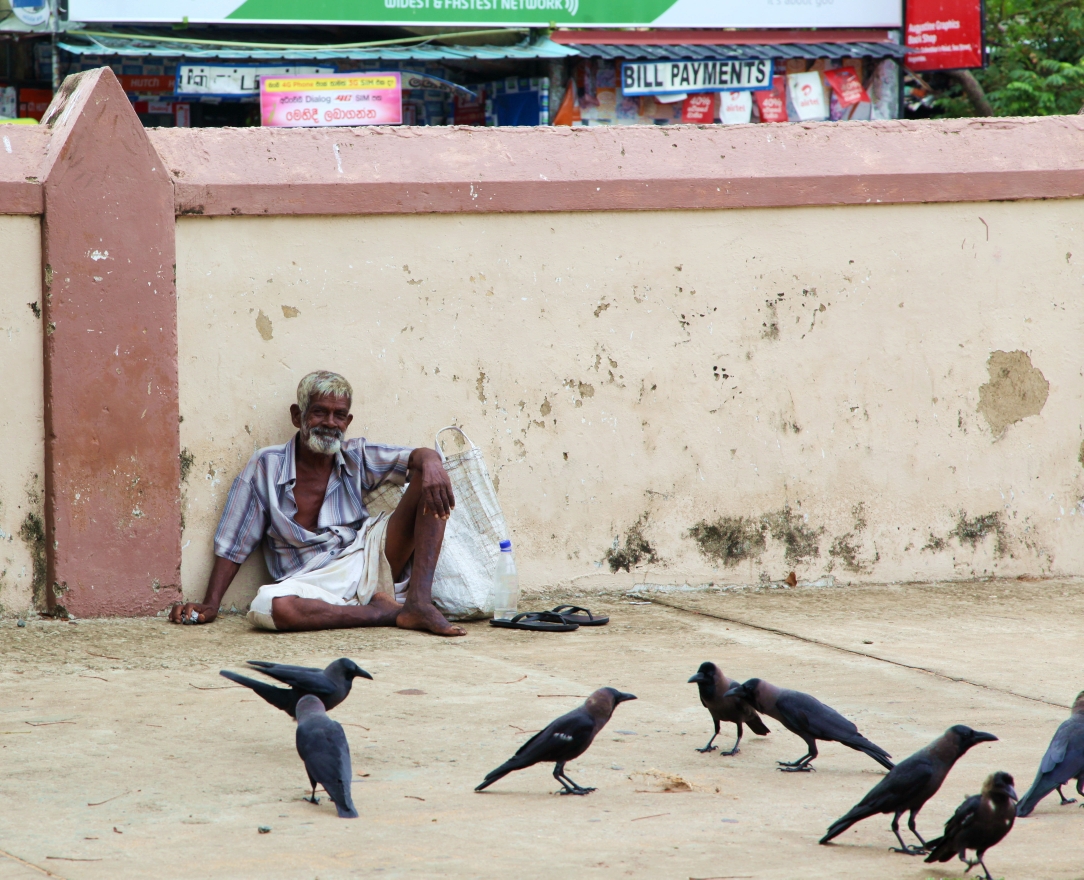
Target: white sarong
x=352, y=578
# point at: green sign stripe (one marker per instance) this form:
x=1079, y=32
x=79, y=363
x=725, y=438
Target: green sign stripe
x=537, y=12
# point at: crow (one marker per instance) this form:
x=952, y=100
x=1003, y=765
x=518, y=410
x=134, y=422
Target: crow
x=713, y=686
x=980, y=822
x=564, y=740
x=808, y=718
x=331, y=685
x=1063, y=761
x=322, y=745
x=911, y=783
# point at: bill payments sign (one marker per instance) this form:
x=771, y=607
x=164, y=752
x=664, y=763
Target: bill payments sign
x=679, y=77
x=314, y=101
x=497, y=13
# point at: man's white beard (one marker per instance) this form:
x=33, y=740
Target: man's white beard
x=329, y=442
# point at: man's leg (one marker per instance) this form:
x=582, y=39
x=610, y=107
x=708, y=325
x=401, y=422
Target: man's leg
x=414, y=531
x=294, y=614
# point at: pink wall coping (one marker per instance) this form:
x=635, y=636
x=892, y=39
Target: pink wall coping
x=383, y=170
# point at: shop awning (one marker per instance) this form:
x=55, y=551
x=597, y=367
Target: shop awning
x=83, y=43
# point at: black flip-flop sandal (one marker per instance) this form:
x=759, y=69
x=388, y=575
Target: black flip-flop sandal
x=571, y=614
x=537, y=621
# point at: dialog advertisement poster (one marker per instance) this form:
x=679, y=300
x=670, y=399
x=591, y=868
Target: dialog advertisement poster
x=345, y=99
x=944, y=34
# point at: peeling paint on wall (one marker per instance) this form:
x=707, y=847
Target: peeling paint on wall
x=1015, y=391
x=263, y=324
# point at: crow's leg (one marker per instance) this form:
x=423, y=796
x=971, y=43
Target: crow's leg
x=737, y=742
x=577, y=788
x=978, y=861
x=314, y=799
x=802, y=764
x=1064, y=800
x=709, y=747
x=1080, y=785
x=568, y=786
x=914, y=830
x=903, y=847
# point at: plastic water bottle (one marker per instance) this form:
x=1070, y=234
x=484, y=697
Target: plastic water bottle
x=505, y=585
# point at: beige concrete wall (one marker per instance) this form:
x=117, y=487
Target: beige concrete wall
x=22, y=435
x=808, y=378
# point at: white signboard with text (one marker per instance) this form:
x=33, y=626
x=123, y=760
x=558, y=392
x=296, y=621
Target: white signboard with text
x=504, y=13
x=684, y=77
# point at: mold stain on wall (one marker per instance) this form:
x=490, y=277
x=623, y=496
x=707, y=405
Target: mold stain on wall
x=730, y=539
x=733, y=539
x=637, y=548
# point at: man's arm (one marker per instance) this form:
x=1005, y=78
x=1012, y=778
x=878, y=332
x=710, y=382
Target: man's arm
x=437, y=496
x=222, y=575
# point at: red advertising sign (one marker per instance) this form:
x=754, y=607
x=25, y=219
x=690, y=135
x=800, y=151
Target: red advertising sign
x=944, y=34
x=34, y=102
x=772, y=103
x=147, y=85
x=847, y=85
x=699, y=109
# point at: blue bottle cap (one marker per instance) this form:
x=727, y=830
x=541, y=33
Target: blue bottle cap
x=506, y=545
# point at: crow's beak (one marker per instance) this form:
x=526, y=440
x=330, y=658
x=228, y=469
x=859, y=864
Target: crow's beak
x=1013, y=795
x=622, y=698
x=364, y=674
x=982, y=737
x=735, y=691
x=696, y=679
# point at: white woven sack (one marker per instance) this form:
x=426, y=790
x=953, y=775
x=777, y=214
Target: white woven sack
x=463, y=582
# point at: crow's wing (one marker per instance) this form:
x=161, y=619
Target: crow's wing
x=562, y=740
x=1067, y=747
x=907, y=781
x=322, y=746
x=304, y=678
x=964, y=816
x=802, y=712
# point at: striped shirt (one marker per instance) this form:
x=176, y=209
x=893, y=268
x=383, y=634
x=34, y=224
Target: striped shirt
x=261, y=505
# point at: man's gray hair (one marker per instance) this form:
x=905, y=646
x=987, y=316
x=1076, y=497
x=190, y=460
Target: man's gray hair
x=322, y=383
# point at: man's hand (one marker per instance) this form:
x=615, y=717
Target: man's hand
x=193, y=612
x=437, y=495
x=222, y=575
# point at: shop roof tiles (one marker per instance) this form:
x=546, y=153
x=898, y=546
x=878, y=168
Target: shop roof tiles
x=741, y=52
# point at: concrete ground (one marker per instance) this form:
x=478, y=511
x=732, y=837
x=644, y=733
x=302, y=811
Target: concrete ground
x=124, y=754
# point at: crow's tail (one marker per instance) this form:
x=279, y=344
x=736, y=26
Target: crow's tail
x=502, y=771
x=856, y=814
x=280, y=698
x=861, y=744
x=940, y=849
x=344, y=804
x=1035, y=794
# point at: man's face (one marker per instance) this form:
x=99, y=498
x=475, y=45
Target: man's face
x=323, y=424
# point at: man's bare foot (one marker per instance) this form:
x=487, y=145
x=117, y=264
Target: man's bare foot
x=427, y=619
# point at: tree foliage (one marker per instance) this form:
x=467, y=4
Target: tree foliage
x=1036, y=60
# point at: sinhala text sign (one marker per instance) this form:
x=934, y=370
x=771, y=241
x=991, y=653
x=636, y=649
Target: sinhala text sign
x=538, y=13
x=677, y=77
x=348, y=99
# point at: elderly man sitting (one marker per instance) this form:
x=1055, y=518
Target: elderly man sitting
x=334, y=564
